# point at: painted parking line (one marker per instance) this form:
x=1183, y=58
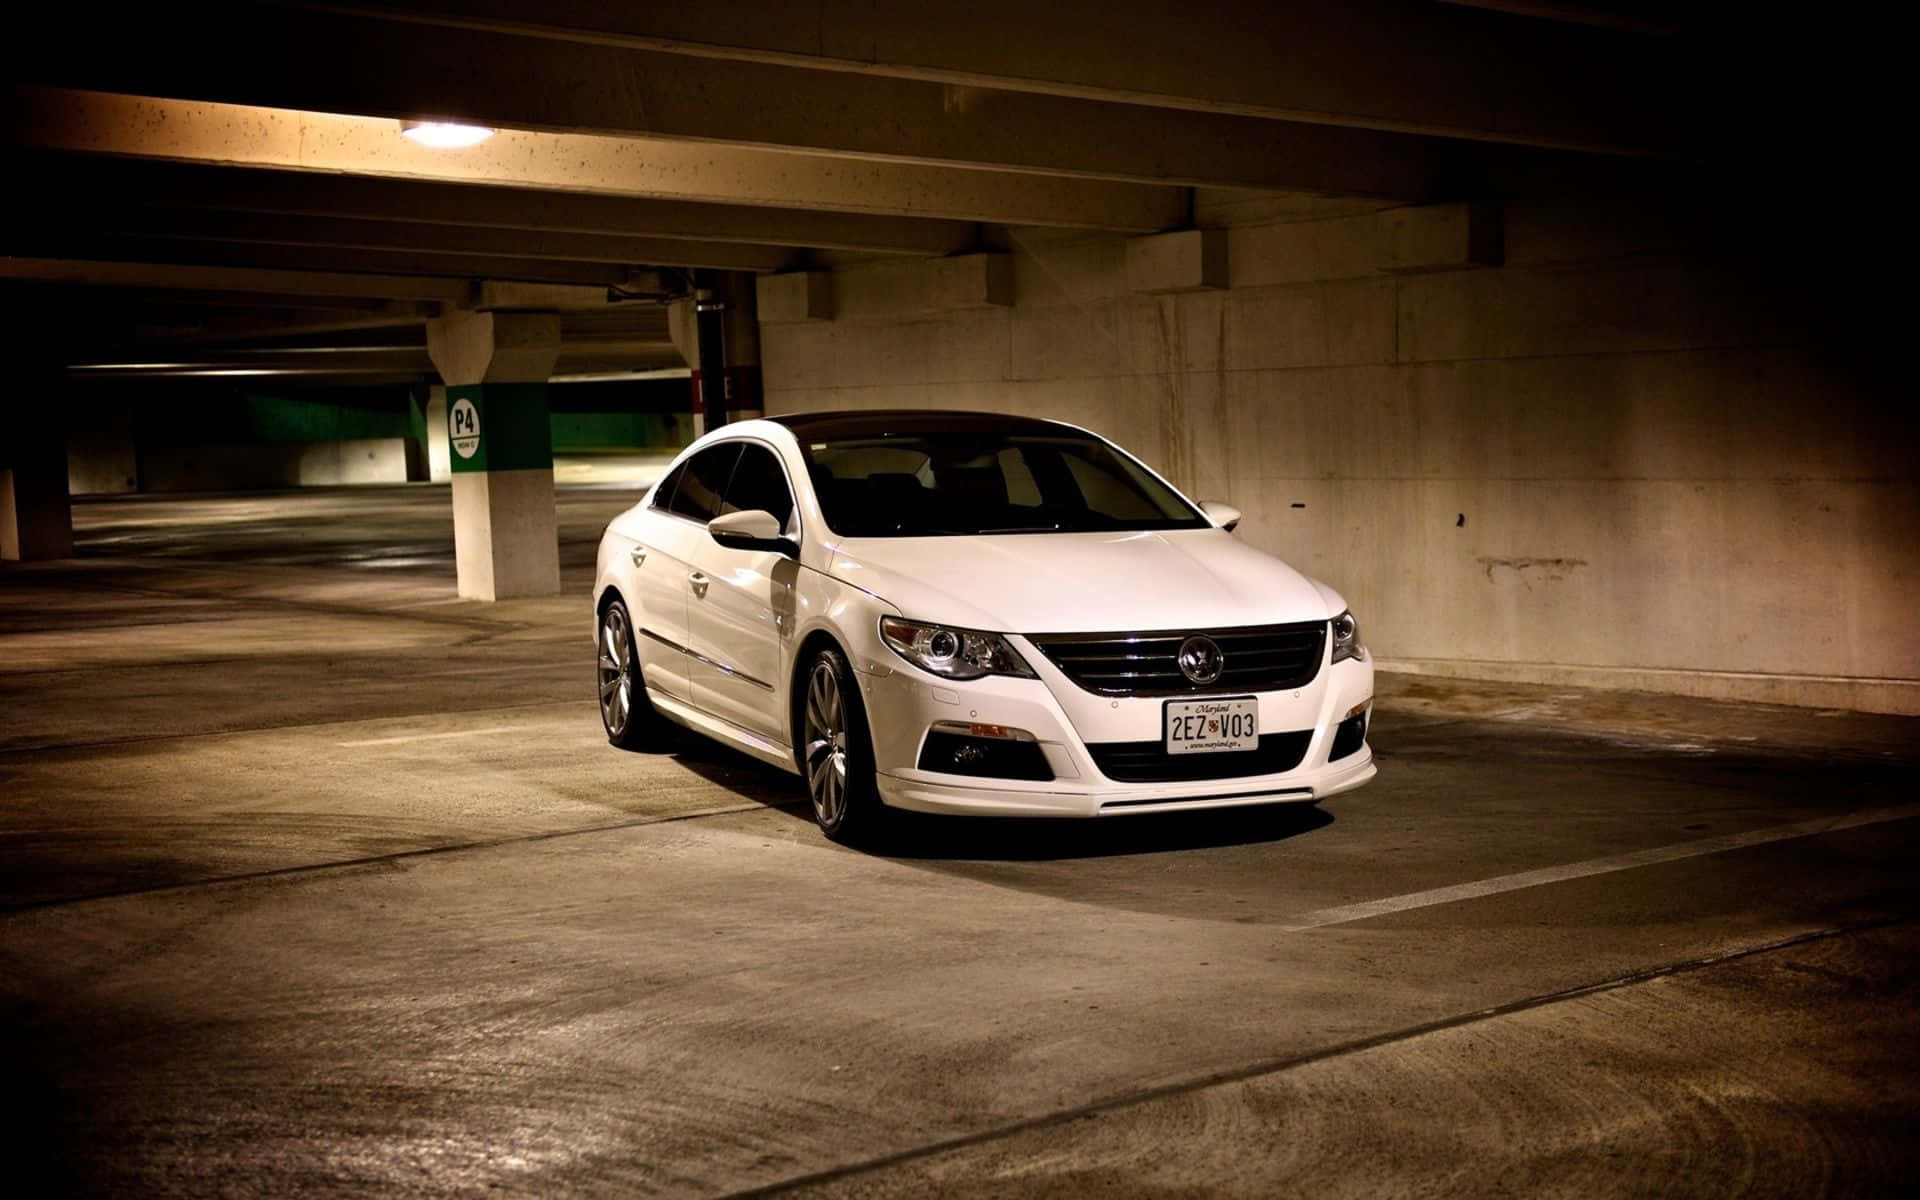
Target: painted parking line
x=434, y=737
x=1596, y=866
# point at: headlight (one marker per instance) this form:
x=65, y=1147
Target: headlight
x=952, y=653
x=1346, y=638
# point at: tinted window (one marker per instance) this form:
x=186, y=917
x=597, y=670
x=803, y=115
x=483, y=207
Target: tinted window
x=663, y=495
x=703, y=481
x=759, y=482
x=985, y=481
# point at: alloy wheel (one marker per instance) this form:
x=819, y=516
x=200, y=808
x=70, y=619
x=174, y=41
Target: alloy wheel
x=616, y=671
x=826, y=746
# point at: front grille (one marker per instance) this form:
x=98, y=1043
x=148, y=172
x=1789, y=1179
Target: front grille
x=1149, y=762
x=1255, y=658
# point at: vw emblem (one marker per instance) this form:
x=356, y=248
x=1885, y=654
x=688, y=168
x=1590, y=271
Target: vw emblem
x=1201, y=660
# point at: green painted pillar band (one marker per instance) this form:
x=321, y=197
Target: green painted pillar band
x=499, y=427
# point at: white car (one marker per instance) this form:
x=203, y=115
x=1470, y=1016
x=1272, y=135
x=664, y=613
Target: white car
x=972, y=613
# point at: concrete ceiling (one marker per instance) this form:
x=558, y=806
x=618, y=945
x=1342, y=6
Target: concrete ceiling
x=224, y=174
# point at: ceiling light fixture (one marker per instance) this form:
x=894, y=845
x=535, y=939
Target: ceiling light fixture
x=444, y=135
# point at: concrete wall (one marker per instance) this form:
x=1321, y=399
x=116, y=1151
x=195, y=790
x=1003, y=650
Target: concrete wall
x=100, y=447
x=274, y=465
x=1626, y=457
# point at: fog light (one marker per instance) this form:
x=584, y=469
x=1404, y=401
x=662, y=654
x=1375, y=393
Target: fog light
x=983, y=751
x=1351, y=733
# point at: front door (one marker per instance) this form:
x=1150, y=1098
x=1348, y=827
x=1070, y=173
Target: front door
x=672, y=533
x=740, y=609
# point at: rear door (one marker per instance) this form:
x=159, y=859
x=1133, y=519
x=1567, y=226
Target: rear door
x=669, y=535
x=740, y=611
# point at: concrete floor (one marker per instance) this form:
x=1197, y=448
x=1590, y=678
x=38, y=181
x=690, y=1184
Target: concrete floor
x=315, y=878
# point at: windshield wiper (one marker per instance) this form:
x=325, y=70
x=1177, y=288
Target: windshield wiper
x=1055, y=528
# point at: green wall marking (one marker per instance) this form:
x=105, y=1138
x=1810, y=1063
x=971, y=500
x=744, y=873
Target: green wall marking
x=499, y=427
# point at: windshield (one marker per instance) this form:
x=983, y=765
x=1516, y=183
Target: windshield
x=973, y=482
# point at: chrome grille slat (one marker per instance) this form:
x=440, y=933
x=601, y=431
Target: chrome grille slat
x=1255, y=659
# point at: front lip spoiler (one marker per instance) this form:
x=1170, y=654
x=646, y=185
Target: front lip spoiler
x=1296, y=793
x=930, y=792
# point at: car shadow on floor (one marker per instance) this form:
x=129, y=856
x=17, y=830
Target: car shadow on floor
x=919, y=837
x=922, y=837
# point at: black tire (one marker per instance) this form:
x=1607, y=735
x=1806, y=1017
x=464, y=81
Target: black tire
x=626, y=712
x=836, y=752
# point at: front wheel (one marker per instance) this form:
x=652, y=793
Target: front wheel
x=625, y=712
x=836, y=752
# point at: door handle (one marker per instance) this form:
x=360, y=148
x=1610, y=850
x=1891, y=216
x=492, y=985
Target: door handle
x=638, y=554
x=699, y=583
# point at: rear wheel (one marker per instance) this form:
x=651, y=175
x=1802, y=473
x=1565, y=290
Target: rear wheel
x=625, y=712
x=836, y=752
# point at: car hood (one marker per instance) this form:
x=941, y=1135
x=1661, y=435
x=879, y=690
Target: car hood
x=1082, y=582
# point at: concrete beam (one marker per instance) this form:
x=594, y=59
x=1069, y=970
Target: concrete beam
x=230, y=189
x=336, y=360
x=1188, y=261
x=585, y=360
x=127, y=274
x=473, y=347
x=491, y=294
x=796, y=296
x=1712, y=23
x=970, y=281
x=356, y=64
x=450, y=269
x=1434, y=69
x=413, y=237
x=239, y=135
x=293, y=322
x=1441, y=237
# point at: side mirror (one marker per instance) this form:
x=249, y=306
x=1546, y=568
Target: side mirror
x=1223, y=516
x=751, y=529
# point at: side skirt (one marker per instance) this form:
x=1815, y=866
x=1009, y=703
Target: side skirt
x=726, y=732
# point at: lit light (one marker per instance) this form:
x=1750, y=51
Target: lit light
x=444, y=135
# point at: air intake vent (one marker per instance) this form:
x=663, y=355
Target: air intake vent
x=1149, y=762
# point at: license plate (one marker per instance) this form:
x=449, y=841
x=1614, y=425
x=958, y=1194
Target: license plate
x=1210, y=726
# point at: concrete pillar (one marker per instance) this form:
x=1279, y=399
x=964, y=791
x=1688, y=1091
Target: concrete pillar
x=683, y=328
x=439, y=452
x=745, y=394
x=36, y=520
x=496, y=367
x=717, y=331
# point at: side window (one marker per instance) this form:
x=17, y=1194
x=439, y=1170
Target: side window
x=760, y=482
x=663, y=495
x=703, y=481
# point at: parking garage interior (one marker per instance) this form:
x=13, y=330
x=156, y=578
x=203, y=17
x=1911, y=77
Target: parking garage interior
x=1556, y=337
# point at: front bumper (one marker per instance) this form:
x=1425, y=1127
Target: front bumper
x=903, y=703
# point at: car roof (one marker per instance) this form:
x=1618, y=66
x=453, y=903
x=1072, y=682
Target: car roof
x=881, y=422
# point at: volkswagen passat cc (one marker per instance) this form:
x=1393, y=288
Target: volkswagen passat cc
x=972, y=613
